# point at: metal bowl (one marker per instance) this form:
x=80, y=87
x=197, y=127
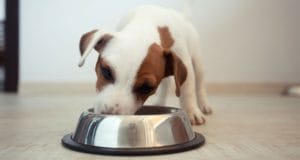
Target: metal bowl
x=152, y=130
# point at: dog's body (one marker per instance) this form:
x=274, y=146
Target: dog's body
x=151, y=44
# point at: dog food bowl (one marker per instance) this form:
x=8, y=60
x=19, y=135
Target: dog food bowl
x=152, y=130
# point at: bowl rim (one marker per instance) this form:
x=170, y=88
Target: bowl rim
x=175, y=111
x=197, y=141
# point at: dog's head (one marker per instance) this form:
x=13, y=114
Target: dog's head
x=127, y=74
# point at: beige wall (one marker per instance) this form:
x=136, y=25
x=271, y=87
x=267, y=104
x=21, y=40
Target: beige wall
x=242, y=40
x=249, y=40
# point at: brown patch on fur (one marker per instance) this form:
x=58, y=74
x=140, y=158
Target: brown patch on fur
x=101, y=81
x=87, y=37
x=159, y=63
x=151, y=72
x=165, y=37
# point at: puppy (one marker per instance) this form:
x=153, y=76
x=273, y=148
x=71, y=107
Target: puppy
x=150, y=44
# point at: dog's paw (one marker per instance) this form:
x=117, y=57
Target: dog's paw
x=206, y=109
x=196, y=118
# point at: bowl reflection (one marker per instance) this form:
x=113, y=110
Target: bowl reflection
x=151, y=126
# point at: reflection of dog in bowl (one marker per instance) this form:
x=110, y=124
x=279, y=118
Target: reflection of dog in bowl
x=152, y=130
x=151, y=44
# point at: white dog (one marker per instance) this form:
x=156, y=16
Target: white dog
x=151, y=44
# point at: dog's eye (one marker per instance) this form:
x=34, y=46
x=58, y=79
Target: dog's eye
x=106, y=72
x=145, y=89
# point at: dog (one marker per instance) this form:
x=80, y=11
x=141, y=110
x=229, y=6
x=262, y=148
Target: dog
x=150, y=44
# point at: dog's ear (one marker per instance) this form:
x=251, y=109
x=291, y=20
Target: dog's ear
x=174, y=66
x=95, y=39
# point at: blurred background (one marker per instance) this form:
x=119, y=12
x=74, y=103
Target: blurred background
x=243, y=42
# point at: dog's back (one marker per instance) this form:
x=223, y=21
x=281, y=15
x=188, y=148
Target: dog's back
x=146, y=18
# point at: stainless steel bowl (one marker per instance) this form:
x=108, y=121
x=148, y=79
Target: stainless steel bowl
x=152, y=130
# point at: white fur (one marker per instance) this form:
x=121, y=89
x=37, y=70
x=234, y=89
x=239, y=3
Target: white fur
x=127, y=49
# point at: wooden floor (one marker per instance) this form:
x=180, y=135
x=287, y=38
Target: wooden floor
x=241, y=127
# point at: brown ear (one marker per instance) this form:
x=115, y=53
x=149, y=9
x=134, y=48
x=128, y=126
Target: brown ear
x=96, y=39
x=84, y=41
x=87, y=37
x=174, y=66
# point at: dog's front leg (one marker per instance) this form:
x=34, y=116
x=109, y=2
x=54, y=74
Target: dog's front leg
x=188, y=99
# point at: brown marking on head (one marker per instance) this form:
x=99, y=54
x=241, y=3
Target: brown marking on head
x=87, y=37
x=159, y=63
x=102, y=71
x=150, y=73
